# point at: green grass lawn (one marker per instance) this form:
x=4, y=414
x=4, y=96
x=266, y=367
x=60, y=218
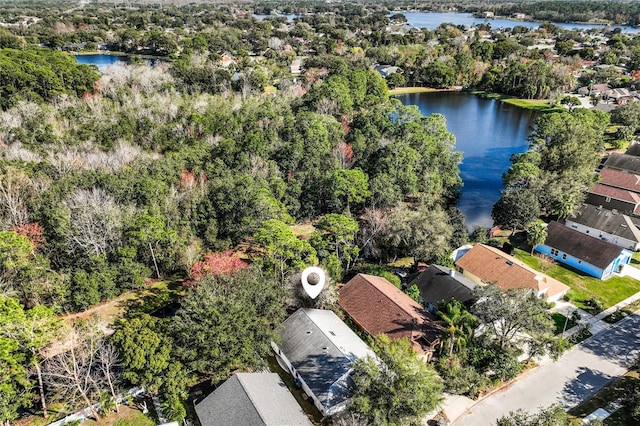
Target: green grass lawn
x=541, y=105
x=404, y=90
x=559, y=321
x=583, y=287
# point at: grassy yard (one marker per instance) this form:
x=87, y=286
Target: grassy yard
x=559, y=321
x=583, y=287
x=405, y=90
x=127, y=416
x=608, y=394
x=541, y=105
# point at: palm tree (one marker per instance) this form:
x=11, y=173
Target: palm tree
x=460, y=324
x=536, y=234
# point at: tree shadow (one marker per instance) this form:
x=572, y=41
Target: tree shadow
x=586, y=384
x=619, y=344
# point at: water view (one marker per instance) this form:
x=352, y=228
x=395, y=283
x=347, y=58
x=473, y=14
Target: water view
x=432, y=20
x=487, y=132
x=102, y=60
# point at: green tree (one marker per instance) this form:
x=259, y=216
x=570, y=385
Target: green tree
x=350, y=186
x=33, y=330
x=14, y=383
x=516, y=208
x=554, y=415
x=459, y=324
x=507, y=313
x=227, y=322
x=336, y=236
x=536, y=234
x=283, y=251
x=398, y=388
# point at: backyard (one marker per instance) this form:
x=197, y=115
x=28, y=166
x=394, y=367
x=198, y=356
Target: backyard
x=584, y=288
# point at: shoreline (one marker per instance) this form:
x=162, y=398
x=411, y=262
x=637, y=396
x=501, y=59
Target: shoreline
x=420, y=89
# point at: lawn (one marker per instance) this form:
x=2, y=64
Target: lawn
x=612, y=392
x=559, y=321
x=126, y=417
x=405, y=90
x=583, y=287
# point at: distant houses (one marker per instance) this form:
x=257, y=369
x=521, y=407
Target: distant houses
x=260, y=399
x=583, y=252
x=319, y=350
x=608, y=225
x=378, y=307
x=486, y=265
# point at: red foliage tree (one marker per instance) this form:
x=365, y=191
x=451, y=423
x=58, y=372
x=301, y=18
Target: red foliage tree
x=32, y=231
x=216, y=264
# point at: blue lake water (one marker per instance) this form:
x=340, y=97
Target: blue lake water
x=432, y=20
x=103, y=60
x=487, y=133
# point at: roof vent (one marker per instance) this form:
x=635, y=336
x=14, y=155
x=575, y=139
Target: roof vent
x=509, y=262
x=614, y=211
x=599, y=207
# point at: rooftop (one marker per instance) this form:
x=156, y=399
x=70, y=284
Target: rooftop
x=322, y=349
x=620, y=179
x=251, y=399
x=441, y=284
x=379, y=307
x=493, y=266
x=584, y=247
x=608, y=221
x=623, y=162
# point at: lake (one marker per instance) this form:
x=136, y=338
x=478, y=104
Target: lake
x=487, y=133
x=102, y=60
x=432, y=20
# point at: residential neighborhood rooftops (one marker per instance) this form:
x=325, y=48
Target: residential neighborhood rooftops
x=613, y=223
x=581, y=246
x=620, y=179
x=251, y=399
x=623, y=162
x=493, y=266
x=618, y=194
x=441, y=284
x=379, y=307
x=322, y=349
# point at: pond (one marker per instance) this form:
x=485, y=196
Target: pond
x=102, y=60
x=432, y=20
x=487, y=133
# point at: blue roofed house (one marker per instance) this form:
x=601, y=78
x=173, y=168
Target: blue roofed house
x=590, y=255
x=319, y=350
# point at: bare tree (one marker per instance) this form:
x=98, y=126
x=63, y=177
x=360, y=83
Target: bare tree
x=374, y=223
x=74, y=375
x=15, y=188
x=107, y=355
x=95, y=221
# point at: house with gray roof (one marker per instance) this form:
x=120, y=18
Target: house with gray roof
x=608, y=225
x=319, y=350
x=259, y=399
x=439, y=284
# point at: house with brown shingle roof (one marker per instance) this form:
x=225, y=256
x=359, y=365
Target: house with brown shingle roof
x=612, y=198
x=486, y=265
x=585, y=253
x=378, y=307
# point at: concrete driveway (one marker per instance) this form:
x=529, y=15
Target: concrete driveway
x=576, y=376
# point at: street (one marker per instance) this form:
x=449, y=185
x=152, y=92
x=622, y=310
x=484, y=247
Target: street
x=576, y=376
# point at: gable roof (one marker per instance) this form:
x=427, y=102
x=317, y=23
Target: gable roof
x=620, y=179
x=441, y=284
x=623, y=162
x=634, y=149
x=322, y=349
x=379, y=307
x=617, y=224
x=617, y=193
x=492, y=265
x=251, y=399
x=584, y=247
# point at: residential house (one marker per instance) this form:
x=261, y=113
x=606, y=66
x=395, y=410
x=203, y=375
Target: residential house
x=583, y=252
x=378, y=307
x=623, y=162
x=608, y=225
x=440, y=284
x=296, y=66
x=319, y=350
x=251, y=399
x=488, y=265
x=634, y=149
x=612, y=198
x=620, y=96
x=386, y=70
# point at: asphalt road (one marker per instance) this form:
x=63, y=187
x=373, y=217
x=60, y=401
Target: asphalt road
x=576, y=376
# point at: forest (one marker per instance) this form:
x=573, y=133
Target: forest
x=202, y=170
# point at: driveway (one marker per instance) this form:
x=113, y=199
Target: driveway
x=576, y=376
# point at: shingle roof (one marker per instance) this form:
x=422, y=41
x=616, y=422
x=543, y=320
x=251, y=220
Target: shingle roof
x=379, y=307
x=493, y=266
x=588, y=249
x=634, y=149
x=607, y=221
x=441, y=284
x=322, y=349
x=623, y=162
x=617, y=193
x=251, y=399
x=620, y=179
